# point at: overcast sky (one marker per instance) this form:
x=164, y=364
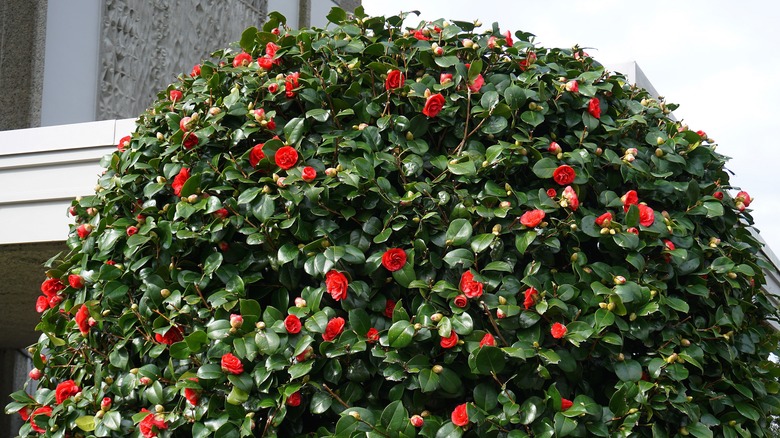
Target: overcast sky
x=719, y=60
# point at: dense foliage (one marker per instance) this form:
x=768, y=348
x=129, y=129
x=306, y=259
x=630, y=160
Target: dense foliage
x=372, y=231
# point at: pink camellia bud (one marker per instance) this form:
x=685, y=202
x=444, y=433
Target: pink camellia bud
x=175, y=95
x=185, y=123
x=223, y=246
x=628, y=158
x=259, y=115
x=505, y=204
x=36, y=374
x=619, y=279
x=445, y=78
x=491, y=44
x=236, y=320
x=273, y=87
x=572, y=86
x=417, y=421
x=554, y=148
x=105, y=404
x=500, y=314
x=331, y=172
x=275, y=31
x=131, y=230
x=300, y=302
x=145, y=381
x=718, y=195
x=72, y=210
x=438, y=51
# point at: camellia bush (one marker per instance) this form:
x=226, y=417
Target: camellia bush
x=370, y=230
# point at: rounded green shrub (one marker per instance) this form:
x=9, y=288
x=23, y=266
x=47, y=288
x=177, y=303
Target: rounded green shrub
x=375, y=231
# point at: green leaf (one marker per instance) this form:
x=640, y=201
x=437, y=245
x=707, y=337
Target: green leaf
x=462, y=167
x=522, y=241
x=293, y=130
x=318, y=114
x=395, y=416
x=459, y=232
x=490, y=360
x=320, y=403
x=212, y=263
x=86, y=423
x=533, y=118
x=514, y=96
x=429, y=381
x=446, y=61
x=545, y=168
x=336, y=15
x=481, y=242
x=449, y=430
x=400, y=334
x=628, y=370
x=461, y=256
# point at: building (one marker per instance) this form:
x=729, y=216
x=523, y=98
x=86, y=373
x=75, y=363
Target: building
x=71, y=75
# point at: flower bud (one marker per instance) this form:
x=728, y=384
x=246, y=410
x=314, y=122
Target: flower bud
x=331, y=172
x=619, y=279
x=496, y=229
x=500, y=314
x=260, y=325
x=437, y=369
x=300, y=302
x=467, y=43
x=105, y=404
x=355, y=415
x=417, y=421
x=159, y=409
x=611, y=306
x=35, y=374
x=417, y=327
x=685, y=343
x=145, y=381
x=436, y=317
x=236, y=320
x=165, y=293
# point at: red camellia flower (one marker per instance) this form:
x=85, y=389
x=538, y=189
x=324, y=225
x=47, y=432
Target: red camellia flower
x=131, y=230
x=151, y=424
x=242, y=60
x=372, y=335
x=24, y=413
x=460, y=415
x=572, y=86
x=290, y=84
x=488, y=340
x=566, y=404
x=702, y=134
x=123, y=144
x=265, y=63
x=83, y=230
x=395, y=79
x=308, y=174
x=445, y=78
x=669, y=246
x=195, y=70
x=76, y=281
x=175, y=95
x=450, y=341
x=476, y=84
x=271, y=48
x=434, y=105
x=231, y=364
x=293, y=324
x=170, y=337
x=333, y=329
x=551, y=193
x=82, y=319
x=191, y=394
x=256, y=154
x=294, y=399
x=629, y=199
x=65, y=390
x=594, y=108
x=530, y=297
x=336, y=284
x=632, y=230
x=51, y=286
x=604, y=220
x=472, y=289
x=529, y=59
x=558, y=330
x=179, y=180
x=532, y=218
x=571, y=198
x=286, y=157
x=508, y=37
x=190, y=141
x=41, y=304
x=273, y=87
x=222, y=213
x=389, y=308
x=420, y=35
x=646, y=215
x=43, y=410
x=461, y=301
x=564, y=175
x=417, y=421
x=394, y=259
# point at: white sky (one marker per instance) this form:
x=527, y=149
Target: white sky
x=718, y=59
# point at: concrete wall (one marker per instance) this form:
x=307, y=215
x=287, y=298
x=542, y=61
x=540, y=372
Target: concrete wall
x=22, y=39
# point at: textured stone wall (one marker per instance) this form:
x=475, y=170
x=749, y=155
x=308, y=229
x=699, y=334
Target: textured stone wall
x=22, y=39
x=14, y=365
x=145, y=44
